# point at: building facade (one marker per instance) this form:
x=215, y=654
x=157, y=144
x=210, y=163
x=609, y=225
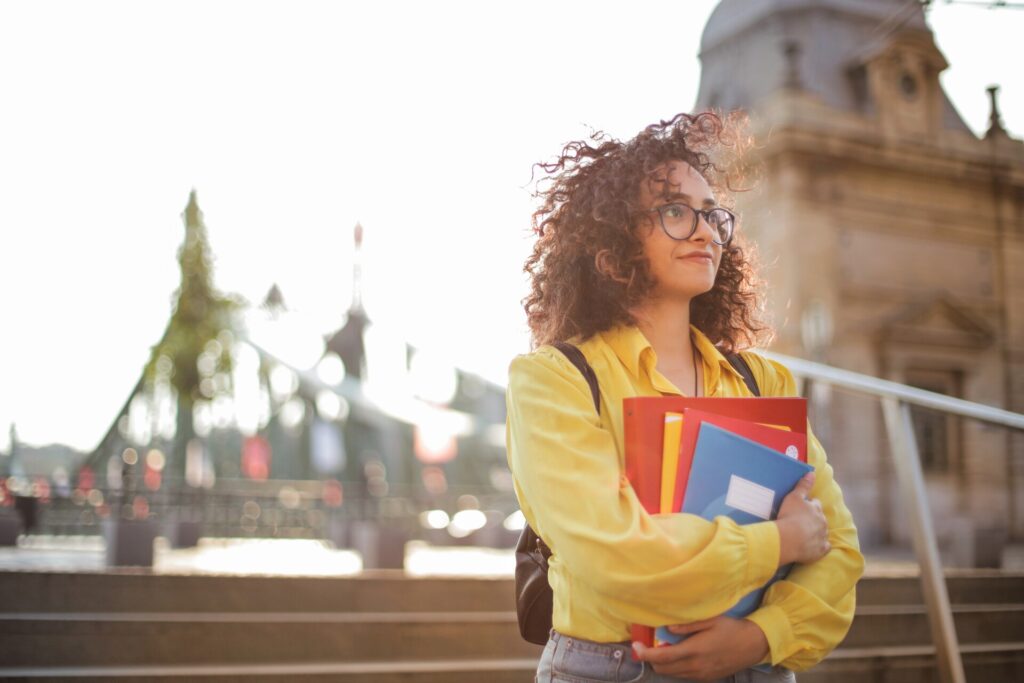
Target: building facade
x=892, y=241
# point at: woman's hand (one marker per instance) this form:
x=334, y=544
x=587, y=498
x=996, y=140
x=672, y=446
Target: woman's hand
x=803, y=530
x=716, y=648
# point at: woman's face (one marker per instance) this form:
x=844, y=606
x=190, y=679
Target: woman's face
x=685, y=268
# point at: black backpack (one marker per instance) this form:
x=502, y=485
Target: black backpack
x=533, y=593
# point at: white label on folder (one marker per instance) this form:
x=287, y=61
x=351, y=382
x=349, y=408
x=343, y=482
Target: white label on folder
x=792, y=452
x=749, y=497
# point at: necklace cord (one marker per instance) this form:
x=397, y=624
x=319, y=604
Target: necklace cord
x=694, y=349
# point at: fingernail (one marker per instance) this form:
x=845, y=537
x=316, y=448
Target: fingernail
x=638, y=648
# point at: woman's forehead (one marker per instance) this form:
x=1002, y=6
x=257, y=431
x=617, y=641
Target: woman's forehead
x=676, y=177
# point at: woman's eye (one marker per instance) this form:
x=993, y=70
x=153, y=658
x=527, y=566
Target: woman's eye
x=673, y=211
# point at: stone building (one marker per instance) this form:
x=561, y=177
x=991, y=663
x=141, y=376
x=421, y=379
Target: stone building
x=892, y=240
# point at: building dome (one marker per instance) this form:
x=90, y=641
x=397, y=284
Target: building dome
x=743, y=48
x=733, y=17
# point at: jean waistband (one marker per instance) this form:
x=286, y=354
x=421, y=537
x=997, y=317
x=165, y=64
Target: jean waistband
x=622, y=651
x=621, y=645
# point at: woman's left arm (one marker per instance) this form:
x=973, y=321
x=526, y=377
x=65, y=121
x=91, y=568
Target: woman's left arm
x=806, y=615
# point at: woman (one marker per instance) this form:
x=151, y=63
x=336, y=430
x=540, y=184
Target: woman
x=636, y=264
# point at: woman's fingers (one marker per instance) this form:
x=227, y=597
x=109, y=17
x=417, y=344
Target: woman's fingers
x=798, y=500
x=805, y=485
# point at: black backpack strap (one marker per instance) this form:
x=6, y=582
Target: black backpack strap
x=530, y=540
x=575, y=356
x=740, y=364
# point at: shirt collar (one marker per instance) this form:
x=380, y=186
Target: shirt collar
x=636, y=353
x=630, y=345
x=713, y=358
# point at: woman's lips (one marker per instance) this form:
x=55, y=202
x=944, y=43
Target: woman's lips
x=697, y=257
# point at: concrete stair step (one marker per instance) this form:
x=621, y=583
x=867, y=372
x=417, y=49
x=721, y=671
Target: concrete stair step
x=995, y=661
x=875, y=626
x=422, y=671
x=381, y=590
x=69, y=639
x=134, y=591
x=903, y=664
x=964, y=586
x=82, y=639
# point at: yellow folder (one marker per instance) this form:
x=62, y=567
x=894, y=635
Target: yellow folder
x=670, y=459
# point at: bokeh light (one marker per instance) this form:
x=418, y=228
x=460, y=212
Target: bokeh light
x=466, y=522
x=434, y=519
x=330, y=406
x=515, y=522
x=331, y=369
x=155, y=459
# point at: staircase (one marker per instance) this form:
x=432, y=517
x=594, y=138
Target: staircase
x=890, y=639
x=382, y=627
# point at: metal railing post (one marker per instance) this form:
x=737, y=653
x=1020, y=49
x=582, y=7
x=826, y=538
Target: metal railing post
x=933, y=582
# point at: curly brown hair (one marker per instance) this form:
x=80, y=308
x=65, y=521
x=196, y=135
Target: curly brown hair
x=588, y=268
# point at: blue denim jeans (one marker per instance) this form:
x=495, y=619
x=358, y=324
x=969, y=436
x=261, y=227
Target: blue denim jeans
x=574, y=660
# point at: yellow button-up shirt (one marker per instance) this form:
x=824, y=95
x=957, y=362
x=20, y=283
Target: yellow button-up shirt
x=613, y=563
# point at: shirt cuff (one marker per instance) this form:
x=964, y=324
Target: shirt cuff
x=763, y=544
x=773, y=621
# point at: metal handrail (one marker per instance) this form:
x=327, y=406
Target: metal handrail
x=896, y=400
x=883, y=388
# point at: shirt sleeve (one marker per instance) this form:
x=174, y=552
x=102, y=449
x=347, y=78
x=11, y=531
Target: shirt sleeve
x=806, y=615
x=648, y=569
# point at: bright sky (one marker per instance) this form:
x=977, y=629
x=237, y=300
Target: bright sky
x=294, y=120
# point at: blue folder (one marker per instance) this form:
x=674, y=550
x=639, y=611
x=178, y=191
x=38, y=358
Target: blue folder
x=733, y=476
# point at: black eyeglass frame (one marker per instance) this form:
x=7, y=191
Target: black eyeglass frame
x=697, y=214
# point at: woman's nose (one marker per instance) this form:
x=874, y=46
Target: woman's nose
x=703, y=232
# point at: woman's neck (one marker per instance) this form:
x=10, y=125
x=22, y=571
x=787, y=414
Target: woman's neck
x=666, y=325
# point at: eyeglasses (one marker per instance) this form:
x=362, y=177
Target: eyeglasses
x=679, y=222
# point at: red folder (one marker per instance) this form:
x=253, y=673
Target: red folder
x=784, y=441
x=644, y=424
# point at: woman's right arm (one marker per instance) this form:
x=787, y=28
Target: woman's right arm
x=650, y=569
